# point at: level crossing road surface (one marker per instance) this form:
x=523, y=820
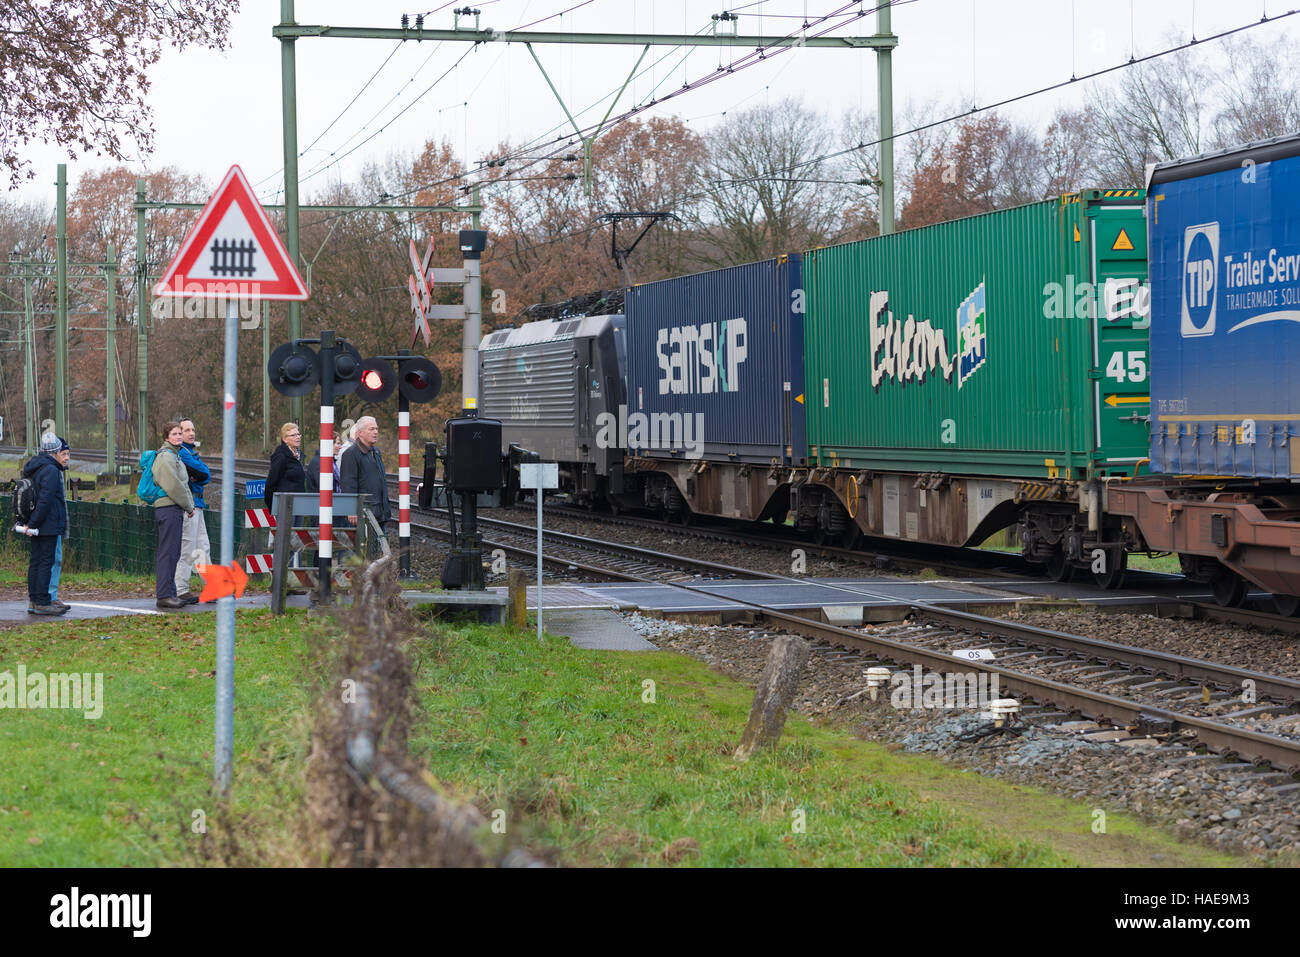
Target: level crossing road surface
x=878, y=593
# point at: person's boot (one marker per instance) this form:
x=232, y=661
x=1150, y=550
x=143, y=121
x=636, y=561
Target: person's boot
x=170, y=603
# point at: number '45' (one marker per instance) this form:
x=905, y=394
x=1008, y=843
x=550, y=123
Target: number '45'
x=1136, y=370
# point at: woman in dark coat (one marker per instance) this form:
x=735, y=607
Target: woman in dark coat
x=287, y=473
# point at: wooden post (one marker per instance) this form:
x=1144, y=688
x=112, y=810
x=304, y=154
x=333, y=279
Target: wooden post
x=518, y=597
x=772, y=697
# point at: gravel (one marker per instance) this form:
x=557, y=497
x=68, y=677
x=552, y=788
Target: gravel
x=1249, y=648
x=1200, y=799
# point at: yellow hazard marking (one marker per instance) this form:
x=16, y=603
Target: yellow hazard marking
x=1122, y=241
x=1076, y=232
x=471, y=402
x=1049, y=462
x=799, y=398
x=1155, y=207
x=1114, y=400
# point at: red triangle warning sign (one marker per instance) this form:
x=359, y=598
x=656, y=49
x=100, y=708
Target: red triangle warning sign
x=233, y=251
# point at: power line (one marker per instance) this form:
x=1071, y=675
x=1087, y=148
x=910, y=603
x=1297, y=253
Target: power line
x=774, y=174
x=322, y=133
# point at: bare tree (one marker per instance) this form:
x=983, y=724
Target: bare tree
x=1068, y=153
x=1258, y=91
x=991, y=165
x=768, y=188
x=76, y=72
x=1157, y=111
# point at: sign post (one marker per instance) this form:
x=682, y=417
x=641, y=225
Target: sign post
x=539, y=476
x=231, y=253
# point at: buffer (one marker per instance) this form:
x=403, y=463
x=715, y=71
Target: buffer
x=233, y=251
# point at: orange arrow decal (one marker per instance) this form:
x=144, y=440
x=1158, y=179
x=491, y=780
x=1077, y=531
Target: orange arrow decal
x=1114, y=400
x=221, y=580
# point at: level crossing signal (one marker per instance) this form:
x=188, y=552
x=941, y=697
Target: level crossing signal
x=294, y=369
x=416, y=379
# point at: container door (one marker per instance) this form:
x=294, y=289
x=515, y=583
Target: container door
x=1121, y=340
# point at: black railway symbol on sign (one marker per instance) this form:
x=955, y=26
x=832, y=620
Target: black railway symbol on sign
x=231, y=258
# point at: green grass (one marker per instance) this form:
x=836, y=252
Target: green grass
x=14, y=555
x=562, y=740
x=121, y=790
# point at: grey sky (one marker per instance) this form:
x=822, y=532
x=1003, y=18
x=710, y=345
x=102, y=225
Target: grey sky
x=213, y=110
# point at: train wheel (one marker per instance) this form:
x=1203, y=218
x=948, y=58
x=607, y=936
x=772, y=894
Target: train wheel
x=1229, y=589
x=683, y=517
x=1288, y=605
x=1058, y=567
x=851, y=537
x=1116, y=567
x=778, y=519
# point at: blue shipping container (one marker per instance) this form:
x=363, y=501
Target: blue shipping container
x=715, y=365
x=1225, y=312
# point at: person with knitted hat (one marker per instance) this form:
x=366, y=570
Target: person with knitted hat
x=48, y=521
x=63, y=456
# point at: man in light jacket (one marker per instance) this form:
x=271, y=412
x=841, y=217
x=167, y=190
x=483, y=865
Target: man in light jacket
x=195, y=546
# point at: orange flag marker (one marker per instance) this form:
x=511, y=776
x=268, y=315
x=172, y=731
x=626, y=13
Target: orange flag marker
x=221, y=580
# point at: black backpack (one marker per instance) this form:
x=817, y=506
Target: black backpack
x=24, y=499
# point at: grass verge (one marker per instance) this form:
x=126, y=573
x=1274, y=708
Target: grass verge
x=577, y=752
x=124, y=789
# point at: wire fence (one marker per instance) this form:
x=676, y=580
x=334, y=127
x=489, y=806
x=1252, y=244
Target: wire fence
x=107, y=536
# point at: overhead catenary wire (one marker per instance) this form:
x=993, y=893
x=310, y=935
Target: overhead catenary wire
x=775, y=173
x=744, y=62
x=749, y=60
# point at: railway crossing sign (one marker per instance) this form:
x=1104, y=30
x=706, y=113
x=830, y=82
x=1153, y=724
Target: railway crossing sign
x=421, y=295
x=233, y=251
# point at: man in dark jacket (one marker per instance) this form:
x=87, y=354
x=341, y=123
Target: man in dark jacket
x=361, y=470
x=48, y=521
x=194, y=531
x=62, y=457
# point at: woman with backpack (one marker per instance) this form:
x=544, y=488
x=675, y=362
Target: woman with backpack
x=170, y=511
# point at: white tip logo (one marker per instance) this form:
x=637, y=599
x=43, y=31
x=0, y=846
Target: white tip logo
x=1200, y=272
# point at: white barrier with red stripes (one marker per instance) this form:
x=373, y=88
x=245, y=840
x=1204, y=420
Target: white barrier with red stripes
x=258, y=564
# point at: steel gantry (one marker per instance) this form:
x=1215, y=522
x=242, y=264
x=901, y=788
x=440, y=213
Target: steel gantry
x=288, y=32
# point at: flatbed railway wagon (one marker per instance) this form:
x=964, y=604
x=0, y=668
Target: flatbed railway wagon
x=956, y=379
x=1225, y=385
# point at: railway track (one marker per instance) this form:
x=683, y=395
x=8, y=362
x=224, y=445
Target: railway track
x=621, y=562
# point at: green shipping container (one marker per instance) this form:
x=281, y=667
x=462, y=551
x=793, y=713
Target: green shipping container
x=1012, y=343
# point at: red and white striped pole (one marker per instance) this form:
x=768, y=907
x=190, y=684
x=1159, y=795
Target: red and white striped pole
x=325, y=553
x=403, y=486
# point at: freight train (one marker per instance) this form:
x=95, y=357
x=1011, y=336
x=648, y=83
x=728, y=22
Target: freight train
x=1016, y=368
